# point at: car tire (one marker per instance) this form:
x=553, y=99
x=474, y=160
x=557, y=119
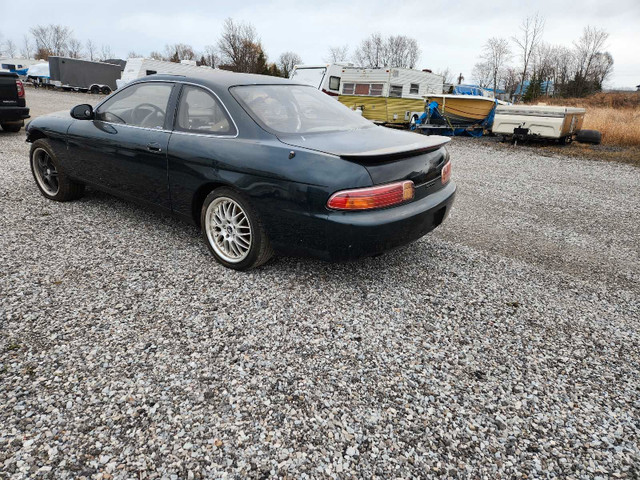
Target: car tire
x=105, y=90
x=589, y=136
x=233, y=231
x=95, y=89
x=11, y=127
x=50, y=179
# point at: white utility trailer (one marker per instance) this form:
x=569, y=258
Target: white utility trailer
x=520, y=122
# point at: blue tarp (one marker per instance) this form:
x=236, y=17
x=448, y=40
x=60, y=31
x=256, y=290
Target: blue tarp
x=467, y=90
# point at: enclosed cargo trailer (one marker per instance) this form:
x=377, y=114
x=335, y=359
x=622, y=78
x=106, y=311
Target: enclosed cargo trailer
x=83, y=74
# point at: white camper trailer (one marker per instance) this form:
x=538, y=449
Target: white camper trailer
x=388, y=95
x=141, y=67
x=324, y=77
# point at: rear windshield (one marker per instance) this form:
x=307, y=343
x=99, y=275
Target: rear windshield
x=296, y=109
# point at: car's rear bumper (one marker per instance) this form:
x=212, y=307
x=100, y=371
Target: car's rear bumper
x=352, y=235
x=13, y=114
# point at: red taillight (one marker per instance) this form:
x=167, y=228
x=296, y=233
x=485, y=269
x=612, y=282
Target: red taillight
x=372, y=197
x=446, y=173
x=20, y=88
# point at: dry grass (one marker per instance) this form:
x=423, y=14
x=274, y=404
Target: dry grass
x=616, y=115
x=619, y=126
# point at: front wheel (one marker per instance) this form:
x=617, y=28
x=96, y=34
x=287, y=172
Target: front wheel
x=11, y=127
x=233, y=231
x=53, y=183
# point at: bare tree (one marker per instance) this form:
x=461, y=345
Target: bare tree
x=105, y=52
x=74, y=49
x=211, y=56
x=91, y=49
x=394, y=51
x=482, y=74
x=590, y=44
x=511, y=79
x=287, y=61
x=155, y=55
x=27, y=47
x=371, y=52
x=402, y=51
x=337, y=54
x=241, y=48
x=602, y=68
x=10, y=48
x=447, y=76
x=133, y=54
x=531, y=30
x=51, y=40
x=496, y=54
x=178, y=52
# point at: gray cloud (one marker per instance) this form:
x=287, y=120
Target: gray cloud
x=450, y=34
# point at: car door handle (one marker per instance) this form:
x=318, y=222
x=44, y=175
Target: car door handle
x=154, y=147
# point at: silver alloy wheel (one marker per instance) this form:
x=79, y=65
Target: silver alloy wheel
x=228, y=229
x=45, y=171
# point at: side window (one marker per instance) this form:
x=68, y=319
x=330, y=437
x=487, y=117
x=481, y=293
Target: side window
x=376, y=89
x=348, y=88
x=362, y=89
x=141, y=105
x=415, y=88
x=395, y=91
x=334, y=83
x=201, y=112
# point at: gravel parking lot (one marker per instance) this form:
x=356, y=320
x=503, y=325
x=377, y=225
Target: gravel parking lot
x=503, y=345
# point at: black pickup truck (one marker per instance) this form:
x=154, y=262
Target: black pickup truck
x=13, y=109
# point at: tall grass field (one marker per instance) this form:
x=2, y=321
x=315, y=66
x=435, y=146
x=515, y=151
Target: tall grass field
x=616, y=115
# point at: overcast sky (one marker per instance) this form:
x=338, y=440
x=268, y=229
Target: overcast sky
x=450, y=33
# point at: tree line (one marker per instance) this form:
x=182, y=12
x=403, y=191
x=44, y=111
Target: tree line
x=238, y=48
x=552, y=70
x=576, y=70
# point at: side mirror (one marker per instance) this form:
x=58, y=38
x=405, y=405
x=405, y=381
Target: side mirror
x=82, y=112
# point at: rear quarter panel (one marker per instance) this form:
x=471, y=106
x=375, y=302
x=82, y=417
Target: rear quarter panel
x=289, y=194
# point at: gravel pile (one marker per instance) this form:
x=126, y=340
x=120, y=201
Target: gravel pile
x=503, y=345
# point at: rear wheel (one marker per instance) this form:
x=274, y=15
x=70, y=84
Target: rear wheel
x=233, y=231
x=11, y=127
x=53, y=183
x=106, y=90
x=589, y=136
x=95, y=89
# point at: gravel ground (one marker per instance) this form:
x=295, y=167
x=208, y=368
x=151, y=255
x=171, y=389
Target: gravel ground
x=503, y=345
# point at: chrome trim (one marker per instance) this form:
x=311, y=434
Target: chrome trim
x=175, y=82
x=134, y=126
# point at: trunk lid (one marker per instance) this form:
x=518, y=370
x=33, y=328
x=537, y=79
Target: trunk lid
x=388, y=155
x=8, y=89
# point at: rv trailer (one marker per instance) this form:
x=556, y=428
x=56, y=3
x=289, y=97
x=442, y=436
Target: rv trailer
x=324, y=77
x=388, y=95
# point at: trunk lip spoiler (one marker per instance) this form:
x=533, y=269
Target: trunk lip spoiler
x=398, y=151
